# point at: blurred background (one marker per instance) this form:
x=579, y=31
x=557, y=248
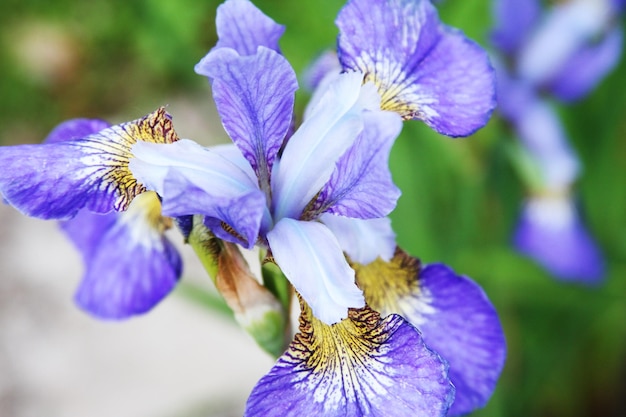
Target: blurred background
x=119, y=60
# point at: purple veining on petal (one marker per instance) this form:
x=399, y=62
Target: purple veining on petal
x=383, y=369
x=423, y=69
x=361, y=185
x=254, y=96
x=552, y=233
x=75, y=129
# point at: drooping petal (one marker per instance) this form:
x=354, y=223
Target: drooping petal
x=362, y=366
x=514, y=21
x=192, y=179
x=363, y=240
x=129, y=264
x=542, y=134
x=243, y=27
x=310, y=155
x=454, y=315
x=254, y=96
x=56, y=180
x=423, y=70
x=587, y=67
x=75, y=129
x=551, y=232
x=566, y=28
x=310, y=257
x=361, y=185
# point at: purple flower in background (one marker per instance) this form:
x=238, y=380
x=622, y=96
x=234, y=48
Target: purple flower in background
x=566, y=51
x=80, y=175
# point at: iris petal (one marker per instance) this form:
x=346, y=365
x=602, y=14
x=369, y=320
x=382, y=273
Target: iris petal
x=56, y=180
x=311, y=258
x=423, y=70
x=454, y=315
x=362, y=366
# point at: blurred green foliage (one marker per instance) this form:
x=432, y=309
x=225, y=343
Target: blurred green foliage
x=567, y=344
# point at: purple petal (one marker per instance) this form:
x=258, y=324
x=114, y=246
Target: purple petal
x=243, y=27
x=552, y=233
x=423, y=70
x=454, y=315
x=130, y=265
x=254, y=97
x=310, y=257
x=363, y=240
x=56, y=180
x=363, y=366
x=587, y=67
x=75, y=129
x=310, y=155
x=361, y=185
x=514, y=20
x=325, y=64
x=541, y=133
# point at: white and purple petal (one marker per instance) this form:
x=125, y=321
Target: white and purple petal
x=453, y=314
x=310, y=155
x=192, y=179
x=551, y=232
x=254, y=96
x=311, y=258
x=587, y=67
x=56, y=180
x=361, y=185
x=363, y=240
x=243, y=27
x=130, y=266
x=423, y=69
x=362, y=366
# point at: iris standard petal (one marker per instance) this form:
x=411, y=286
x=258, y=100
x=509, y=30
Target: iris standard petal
x=243, y=27
x=551, y=232
x=454, y=316
x=310, y=257
x=362, y=366
x=423, y=70
x=131, y=266
x=363, y=240
x=310, y=155
x=56, y=180
x=361, y=185
x=75, y=129
x=587, y=67
x=514, y=21
x=254, y=96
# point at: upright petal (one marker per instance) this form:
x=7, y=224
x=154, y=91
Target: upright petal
x=587, y=67
x=423, y=70
x=192, y=179
x=361, y=185
x=514, y=21
x=310, y=155
x=454, y=315
x=56, y=180
x=551, y=232
x=363, y=240
x=311, y=258
x=254, y=96
x=243, y=27
x=129, y=264
x=362, y=366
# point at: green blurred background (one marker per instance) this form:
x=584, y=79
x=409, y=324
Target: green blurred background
x=566, y=343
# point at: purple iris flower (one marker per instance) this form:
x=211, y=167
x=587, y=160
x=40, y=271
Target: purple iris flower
x=129, y=263
x=565, y=51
